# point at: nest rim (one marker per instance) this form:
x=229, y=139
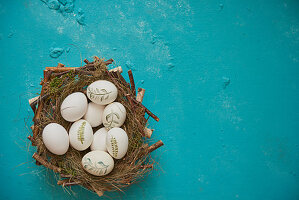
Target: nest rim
x=132, y=168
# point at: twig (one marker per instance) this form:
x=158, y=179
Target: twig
x=99, y=193
x=146, y=110
x=133, y=89
x=31, y=139
x=72, y=183
x=118, y=76
x=60, y=182
x=155, y=146
x=61, y=69
x=112, y=76
x=67, y=182
x=60, y=65
x=89, y=67
x=86, y=61
x=31, y=101
x=56, y=72
x=148, y=132
x=46, y=163
x=47, y=75
x=140, y=94
x=66, y=175
x=116, y=69
x=150, y=166
x=34, y=101
x=108, y=62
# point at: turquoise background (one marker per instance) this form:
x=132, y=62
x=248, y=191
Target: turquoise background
x=221, y=75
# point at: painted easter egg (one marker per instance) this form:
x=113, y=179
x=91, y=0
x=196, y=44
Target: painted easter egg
x=98, y=163
x=99, y=140
x=114, y=115
x=81, y=135
x=102, y=92
x=117, y=143
x=74, y=106
x=94, y=114
x=55, y=138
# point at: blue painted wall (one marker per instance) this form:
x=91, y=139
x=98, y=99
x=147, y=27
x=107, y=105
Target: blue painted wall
x=221, y=75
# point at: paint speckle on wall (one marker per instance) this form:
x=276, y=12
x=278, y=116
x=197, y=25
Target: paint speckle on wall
x=226, y=82
x=67, y=9
x=53, y=4
x=10, y=35
x=130, y=65
x=221, y=6
x=80, y=17
x=170, y=66
x=56, y=52
x=60, y=29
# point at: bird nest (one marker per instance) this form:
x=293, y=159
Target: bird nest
x=57, y=84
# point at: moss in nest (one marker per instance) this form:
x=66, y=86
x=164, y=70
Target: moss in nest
x=70, y=75
x=54, y=85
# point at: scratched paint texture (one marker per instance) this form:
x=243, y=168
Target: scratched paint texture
x=221, y=75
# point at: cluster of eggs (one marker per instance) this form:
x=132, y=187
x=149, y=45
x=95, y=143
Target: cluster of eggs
x=85, y=116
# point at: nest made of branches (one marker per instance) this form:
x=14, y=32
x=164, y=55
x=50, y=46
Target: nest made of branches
x=61, y=81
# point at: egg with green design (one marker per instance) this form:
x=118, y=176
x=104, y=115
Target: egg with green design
x=117, y=142
x=114, y=115
x=81, y=135
x=102, y=92
x=98, y=163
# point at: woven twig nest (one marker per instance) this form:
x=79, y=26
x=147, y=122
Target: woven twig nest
x=57, y=84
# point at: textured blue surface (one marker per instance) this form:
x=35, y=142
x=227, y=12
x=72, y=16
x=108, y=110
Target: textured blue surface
x=221, y=75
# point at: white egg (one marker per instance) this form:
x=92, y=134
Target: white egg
x=99, y=140
x=74, y=106
x=102, y=92
x=81, y=135
x=56, y=139
x=114, y=115
x=117, y=143
x=98, y=163
x=94, y=114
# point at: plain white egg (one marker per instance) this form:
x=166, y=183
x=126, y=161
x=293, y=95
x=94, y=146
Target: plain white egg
x=99, y=140
x=56, y=139
x=114, y=115
x=74, y=106
x=81, y=135
x=94, y=114
x=117, y=143
x=102, y=92
x=98, y=163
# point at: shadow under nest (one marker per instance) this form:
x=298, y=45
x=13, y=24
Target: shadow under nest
x=61, y=81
